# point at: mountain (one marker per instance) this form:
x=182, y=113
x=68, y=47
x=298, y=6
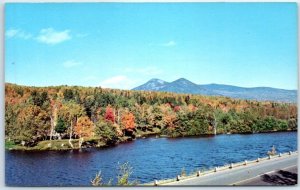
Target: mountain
x=152, y=85
x=185, y=86
x=182, y=86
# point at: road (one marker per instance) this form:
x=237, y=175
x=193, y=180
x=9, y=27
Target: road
x=239, y=175
x=285, y=176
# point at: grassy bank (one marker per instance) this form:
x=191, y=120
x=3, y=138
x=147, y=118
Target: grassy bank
x=56, y=145
x=64, y=144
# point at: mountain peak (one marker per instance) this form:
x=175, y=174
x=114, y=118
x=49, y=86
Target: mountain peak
x=185, y=86
x=157, y=80
x=153, y=84
x=182, y=79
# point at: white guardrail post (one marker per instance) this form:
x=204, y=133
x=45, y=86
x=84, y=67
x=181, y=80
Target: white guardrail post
x=198, y=173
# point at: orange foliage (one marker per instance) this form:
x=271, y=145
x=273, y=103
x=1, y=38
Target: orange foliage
x=169, y=120
x=169, y=116
x=191, y=108
x=84, y=127
x=128, y=121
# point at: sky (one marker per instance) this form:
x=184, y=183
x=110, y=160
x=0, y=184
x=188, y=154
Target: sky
x=123, y=45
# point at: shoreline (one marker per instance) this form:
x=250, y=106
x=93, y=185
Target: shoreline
x=41, y=146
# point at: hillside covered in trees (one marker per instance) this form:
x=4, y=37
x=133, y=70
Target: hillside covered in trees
x=87, y=116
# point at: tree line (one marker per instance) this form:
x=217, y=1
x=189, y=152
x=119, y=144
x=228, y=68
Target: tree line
x=34, y=114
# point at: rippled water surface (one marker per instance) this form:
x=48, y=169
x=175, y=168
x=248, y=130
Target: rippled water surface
x=151, y=158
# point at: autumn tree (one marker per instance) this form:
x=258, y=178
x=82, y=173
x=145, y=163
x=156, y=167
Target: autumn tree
x=32, y=125
x=109, y=114
x=169, y=116
x=177, y=108
x=84, y=128
x=128, y=122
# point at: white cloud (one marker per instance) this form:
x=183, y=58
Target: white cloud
x=11, y=33
x=169, y=44
x=145, y=71
x=16, y=33
x=52, y=37
x=118, y=82
x=71, y=63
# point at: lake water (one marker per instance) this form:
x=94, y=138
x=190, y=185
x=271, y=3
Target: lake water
x=151, y=158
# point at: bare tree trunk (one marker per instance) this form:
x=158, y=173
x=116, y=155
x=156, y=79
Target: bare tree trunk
x=215, y=125
x=52, y=127
x=53, y=118
x=80, y=141
x=71, y=135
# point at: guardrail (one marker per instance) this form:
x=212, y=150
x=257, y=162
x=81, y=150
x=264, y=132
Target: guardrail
x=221, y=168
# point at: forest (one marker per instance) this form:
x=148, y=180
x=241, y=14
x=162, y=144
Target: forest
x=78, y=117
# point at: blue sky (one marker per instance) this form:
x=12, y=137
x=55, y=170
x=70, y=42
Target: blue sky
x=123, y=45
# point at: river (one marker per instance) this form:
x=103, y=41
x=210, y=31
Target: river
x=151, y=158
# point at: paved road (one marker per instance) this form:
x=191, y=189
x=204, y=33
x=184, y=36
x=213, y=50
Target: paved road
x=238, y=174
x=285, y=176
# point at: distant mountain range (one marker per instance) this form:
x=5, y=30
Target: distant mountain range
x=185, y=86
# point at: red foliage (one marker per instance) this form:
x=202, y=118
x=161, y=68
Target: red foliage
x=177, y=108
x=109, y=114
